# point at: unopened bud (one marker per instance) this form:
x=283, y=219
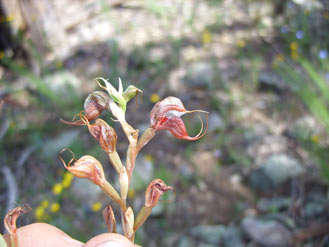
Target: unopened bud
x=116, y=95
x=153, y=192
x=87, y=167
x=128, y=225
x=109, y=219
x=130, y=93
x=95, y=103
x=104, y=134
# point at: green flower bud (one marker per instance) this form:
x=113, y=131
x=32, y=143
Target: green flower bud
x=116, y=95
x=131, y=92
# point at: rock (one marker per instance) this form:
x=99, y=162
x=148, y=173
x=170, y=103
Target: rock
x=275, y=171
x=209, y=234
x=232, y=237
x=200, y=158
x=61, y=81
x=199, y=75
x=309, y=5
x=185, y=242
x=316, y=205
x=85, y=191
x=267, y=233
x=313, y=210
x=258, y=179
x=261, y=147
x=256, y=132
x=271, y=80
x=215, y=122
x=273, y=204
x=143, y=173
x=305, y=127
x=281, y=167
x=55, y=145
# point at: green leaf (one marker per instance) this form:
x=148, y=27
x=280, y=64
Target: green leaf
x=25, y=73
x=2, y=242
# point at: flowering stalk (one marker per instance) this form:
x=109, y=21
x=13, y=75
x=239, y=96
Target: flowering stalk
x=109, y=218
x=113, y=194
x=165, y=115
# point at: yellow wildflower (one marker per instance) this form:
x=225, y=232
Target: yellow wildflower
x=2, y=54
x=96, y=206
x=10, y=18
x=279, y=58
x=39, y=213
x=294, y=55
x=55, y=207
x=68, y=176
x=59, y=64
x=315, y=138
x=67, y=180
x=206, y=37
x=154, y=97
x=131, y=193
x=326, y=15
x=66, y=183
x=294, y=46
x=241, y=43
x=44, y=204
x=57, y=189
x=148, y=157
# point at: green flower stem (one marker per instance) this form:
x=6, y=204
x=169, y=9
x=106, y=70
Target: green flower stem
x=116, y=161
x=148, y=134
x=131, y=158
x=130, y=132
x=142, y=216
x=113, y=194
x=134, y=148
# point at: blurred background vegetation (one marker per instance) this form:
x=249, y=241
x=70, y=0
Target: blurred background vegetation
x=258, y=178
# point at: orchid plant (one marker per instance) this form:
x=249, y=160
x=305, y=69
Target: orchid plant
x=165, y=115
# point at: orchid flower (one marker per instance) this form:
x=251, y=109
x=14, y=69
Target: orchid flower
x=85, y=167
x=94, y=105
x=102, y=132
x=166, y=115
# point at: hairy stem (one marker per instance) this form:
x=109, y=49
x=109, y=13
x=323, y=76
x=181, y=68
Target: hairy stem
x=113, y=194
x=142, y=216
x=148, y=134
x=116, y=161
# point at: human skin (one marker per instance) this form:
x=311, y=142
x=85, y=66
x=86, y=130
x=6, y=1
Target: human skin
x=109, y=240
x=45, y=235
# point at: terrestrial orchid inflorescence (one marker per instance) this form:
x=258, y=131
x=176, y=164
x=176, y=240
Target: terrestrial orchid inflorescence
x=165, y=115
